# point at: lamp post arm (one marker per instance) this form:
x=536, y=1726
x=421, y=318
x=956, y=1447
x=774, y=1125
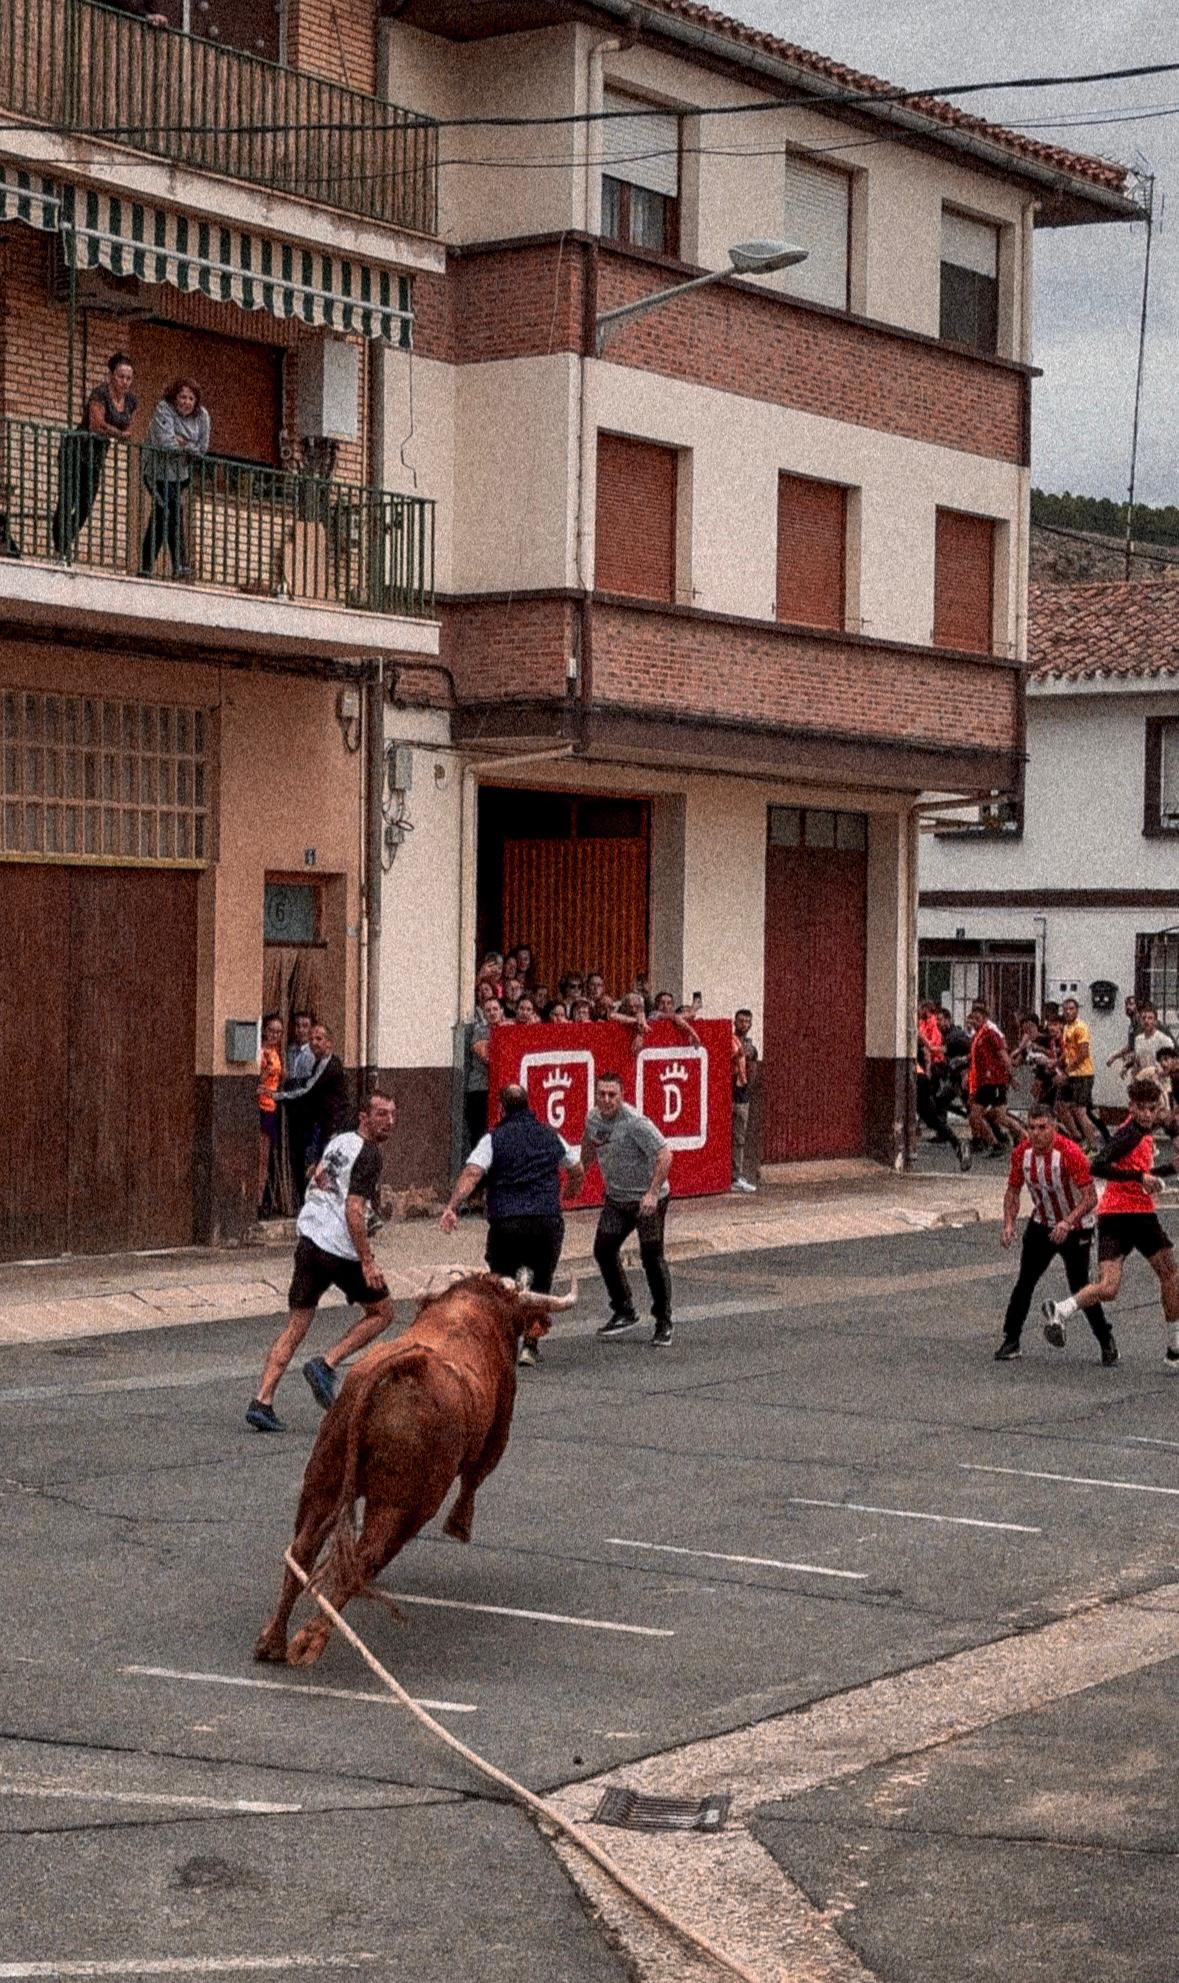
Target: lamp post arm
x=612, y=320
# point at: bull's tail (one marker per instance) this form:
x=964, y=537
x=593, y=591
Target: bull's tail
x=385, y=1366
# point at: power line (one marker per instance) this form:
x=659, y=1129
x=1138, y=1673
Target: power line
x=409, y=121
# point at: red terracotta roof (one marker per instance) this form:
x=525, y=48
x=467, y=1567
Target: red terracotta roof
x=1098, y=171
x=1086, y=632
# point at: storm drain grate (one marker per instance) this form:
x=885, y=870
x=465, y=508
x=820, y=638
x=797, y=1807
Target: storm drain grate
x=636, y=1813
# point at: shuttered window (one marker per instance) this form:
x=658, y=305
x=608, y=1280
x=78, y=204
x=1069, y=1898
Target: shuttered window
x=636, y=518
x=812, y=539
x=970, y=282
x=964, y=582
x=817, y=216
x=640, y=153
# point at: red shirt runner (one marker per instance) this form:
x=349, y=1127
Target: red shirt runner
x=988, y=1058
x=1056, y=1181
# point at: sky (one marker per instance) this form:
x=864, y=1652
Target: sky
x=1088, y=280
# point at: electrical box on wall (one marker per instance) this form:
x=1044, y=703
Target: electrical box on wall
x=241, y=1041
x=1059, y=988
x=329, y=389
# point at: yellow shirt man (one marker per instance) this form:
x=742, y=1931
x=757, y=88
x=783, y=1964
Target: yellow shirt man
x=1076, y=1050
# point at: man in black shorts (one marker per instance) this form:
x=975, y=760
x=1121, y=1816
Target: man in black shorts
x=334, y=1250
x=1127, y=1222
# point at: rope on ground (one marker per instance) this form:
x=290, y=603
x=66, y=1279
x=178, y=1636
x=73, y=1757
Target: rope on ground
x=536, y=1805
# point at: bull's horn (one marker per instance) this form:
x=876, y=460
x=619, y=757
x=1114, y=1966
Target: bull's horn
x=550, y=1303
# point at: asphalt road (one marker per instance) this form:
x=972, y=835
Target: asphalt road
x=826, y=1479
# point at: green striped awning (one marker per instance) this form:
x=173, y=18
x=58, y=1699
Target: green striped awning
x=100, y=230
x=25, y=195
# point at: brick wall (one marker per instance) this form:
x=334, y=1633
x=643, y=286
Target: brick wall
x=501, y=648
x=335, y=38
x=34, y=344
x=515, y=302
x=680, y=663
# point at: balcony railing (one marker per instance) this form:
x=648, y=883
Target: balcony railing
x=195, y=103
x=74, y=499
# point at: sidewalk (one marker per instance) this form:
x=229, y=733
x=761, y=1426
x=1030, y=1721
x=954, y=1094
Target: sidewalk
x=51, y=1301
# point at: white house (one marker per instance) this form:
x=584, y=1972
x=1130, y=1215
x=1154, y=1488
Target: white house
x=1077, y=887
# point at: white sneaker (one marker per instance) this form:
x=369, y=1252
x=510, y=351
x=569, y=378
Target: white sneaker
x=1171, y=1353
x=1055, y=1331
x=742, y=1184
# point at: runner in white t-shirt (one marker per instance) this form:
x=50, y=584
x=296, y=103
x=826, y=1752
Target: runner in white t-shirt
x=334, y=1250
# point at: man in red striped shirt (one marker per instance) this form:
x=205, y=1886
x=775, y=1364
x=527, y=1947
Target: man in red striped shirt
x=988, y=1075
x=1127, y=1222
x=1063, y=1194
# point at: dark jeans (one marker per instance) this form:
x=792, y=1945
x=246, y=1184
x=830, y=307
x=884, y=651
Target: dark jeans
x=1036, y=1256
x=528, y=1242
x=931, y=1109
x=165, y=526
x=475, y=1113
x=616, y=1225
x=80, y=462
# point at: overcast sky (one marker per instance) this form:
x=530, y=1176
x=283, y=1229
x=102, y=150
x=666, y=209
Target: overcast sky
x=1088, y=279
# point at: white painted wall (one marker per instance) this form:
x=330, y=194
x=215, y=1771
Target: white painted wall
x=420, y=902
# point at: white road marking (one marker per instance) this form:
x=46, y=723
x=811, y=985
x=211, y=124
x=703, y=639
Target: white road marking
x=289, y=1687
x=913, y=1515
x=1137, y=1441
x=544, y=1617
x=87, y=1795
x=185, y=1965
x=1071, y=1479
x=761, y=1562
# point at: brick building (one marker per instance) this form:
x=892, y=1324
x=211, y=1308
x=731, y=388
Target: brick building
x=648, y=654
x=182, y=815
x=727, y=600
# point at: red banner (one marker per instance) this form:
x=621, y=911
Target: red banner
x=685, y=1089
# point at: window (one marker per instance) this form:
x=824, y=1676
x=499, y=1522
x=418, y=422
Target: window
x=970, y=282
x=290, y=912
x=253, y=26
x=818, y=218
x=845, y=832
x=1160, y=808
x=636, y=518
x=85, y=778
x=240, y=382
x=1156, y=975
x=964, y=582
x=812, y=536
x=640, y=175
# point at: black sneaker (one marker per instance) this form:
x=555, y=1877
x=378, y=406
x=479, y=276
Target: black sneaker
x=661, y=1340
x=1171, y=1359
x=964, y=1151
x=619, y=1325
x=262, y=1418
x=323, y=1381
x=1109, y=1351
x=1055, y=1328
x=1008, y=1350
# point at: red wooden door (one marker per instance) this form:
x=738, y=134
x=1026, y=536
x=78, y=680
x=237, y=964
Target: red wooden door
x=816, y=944
x=34, y=943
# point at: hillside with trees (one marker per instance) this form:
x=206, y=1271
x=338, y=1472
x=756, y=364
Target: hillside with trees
x=1105, y=517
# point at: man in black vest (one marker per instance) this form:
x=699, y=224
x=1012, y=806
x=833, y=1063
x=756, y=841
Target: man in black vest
x=521, y=1160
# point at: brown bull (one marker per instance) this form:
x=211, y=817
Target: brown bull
x=411, y=1418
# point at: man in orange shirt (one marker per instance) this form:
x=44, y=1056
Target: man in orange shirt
x=1076, y=1094
x=269, y=1077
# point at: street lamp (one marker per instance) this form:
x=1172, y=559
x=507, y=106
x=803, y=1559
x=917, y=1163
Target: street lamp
x=746, y=258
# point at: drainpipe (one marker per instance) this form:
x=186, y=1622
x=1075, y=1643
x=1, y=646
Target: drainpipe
x=374, y=847
x=592, y=185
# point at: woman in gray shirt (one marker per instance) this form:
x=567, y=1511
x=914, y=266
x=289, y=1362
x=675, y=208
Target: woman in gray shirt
x=180, y=431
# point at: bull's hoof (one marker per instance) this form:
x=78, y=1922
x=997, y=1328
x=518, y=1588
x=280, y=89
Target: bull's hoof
x=455, y=1526
x=307, y=1645
x=271, y=1646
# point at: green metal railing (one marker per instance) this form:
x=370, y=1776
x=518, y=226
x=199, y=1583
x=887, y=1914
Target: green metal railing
x=75, y=499
x=91, y=70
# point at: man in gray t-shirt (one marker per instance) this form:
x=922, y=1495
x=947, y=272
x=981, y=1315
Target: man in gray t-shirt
x=635, y=1161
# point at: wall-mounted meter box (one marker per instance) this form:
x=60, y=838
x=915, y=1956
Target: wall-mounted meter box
x=241, y=1041
x=329, y=390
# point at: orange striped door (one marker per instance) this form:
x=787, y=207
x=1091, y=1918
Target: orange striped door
x=582, y=904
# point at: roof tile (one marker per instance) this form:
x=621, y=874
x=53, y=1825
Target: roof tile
x=1128, y=630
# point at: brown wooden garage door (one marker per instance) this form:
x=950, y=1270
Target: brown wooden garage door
x=99, y=1045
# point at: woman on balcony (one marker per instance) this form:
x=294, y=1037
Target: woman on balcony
x=180, y=431
x=107, y=417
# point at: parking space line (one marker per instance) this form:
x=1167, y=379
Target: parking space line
x=286, y=1687
x=185, y=1965
x=542, y=1617
x=913, y=1515
x=88, y=1795
x=1070, y=1479
x=761, y=1562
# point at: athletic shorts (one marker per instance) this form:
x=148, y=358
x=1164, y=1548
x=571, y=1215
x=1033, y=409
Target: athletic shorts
x=1078, y=1090
x=990, y=1096
x=317, y=1271
x=1121, y=1233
